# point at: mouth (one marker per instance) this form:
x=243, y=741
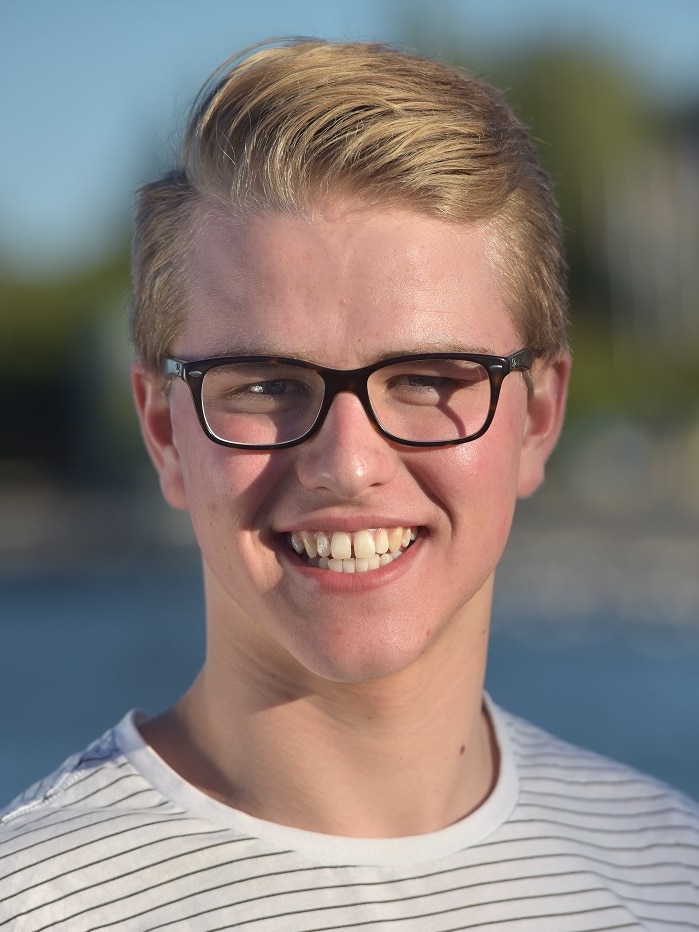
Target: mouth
x=356, y=552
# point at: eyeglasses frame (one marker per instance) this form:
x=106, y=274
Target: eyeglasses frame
x=354, y=381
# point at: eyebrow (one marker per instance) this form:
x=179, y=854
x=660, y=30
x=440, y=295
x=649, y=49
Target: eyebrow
x=257, y=349
x=433, y=347
x=260, y=349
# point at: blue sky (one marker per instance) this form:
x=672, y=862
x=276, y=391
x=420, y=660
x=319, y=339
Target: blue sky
x=93, y=92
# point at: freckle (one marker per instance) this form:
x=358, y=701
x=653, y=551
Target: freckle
x=462, y=749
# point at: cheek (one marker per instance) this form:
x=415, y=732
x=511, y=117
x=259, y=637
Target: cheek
x=224, y=488
x=481, y=474
x=475, y=485
x=227, y=498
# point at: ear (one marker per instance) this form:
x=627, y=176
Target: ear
x=153, y=408
x=545, y=413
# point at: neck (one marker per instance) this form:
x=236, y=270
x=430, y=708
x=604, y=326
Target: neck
x=401, y=755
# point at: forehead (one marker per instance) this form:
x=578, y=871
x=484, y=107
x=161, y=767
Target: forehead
x=342, y=287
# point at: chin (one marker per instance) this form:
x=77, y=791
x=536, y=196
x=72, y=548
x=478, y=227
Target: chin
x=355, y=657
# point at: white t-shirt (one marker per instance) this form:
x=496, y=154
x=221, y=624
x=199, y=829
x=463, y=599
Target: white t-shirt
x=567, y=842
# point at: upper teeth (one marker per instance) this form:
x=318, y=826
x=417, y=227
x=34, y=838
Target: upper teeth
x=353, y=552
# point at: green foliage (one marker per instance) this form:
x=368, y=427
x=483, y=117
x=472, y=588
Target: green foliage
x=64, y=399
x=64, y=402
x=632, y=378
x=41, y=318
x=588, y=121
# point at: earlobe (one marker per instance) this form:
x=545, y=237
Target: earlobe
x=545, y=414
x=153, y=408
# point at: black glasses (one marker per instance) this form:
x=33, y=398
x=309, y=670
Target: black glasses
x=422, y=400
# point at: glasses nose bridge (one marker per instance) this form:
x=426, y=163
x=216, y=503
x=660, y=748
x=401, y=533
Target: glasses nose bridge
x=352, y=381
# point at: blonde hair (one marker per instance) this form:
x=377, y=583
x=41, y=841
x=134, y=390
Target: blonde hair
x=284, y=127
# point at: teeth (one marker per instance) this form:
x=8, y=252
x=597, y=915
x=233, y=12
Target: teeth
x=309, y=543
x=359, y=566
x=381, y=541
x=364, y=545
x=359, y=552
x=341, y=546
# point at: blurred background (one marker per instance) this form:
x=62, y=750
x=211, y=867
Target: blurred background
x=596, y=633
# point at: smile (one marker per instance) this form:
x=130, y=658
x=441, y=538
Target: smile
x=356, y=552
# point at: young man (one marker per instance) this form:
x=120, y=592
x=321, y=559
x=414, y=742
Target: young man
x=349, y=315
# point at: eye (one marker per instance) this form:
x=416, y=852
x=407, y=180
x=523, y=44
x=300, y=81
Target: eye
x=432, y=382
x=259, y=389
x=421, y=389
x=263, y=395
x=424, y=381
x=272, y=387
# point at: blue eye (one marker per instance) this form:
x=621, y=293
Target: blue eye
x=270, y=387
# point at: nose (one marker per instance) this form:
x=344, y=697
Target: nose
x=348, y=455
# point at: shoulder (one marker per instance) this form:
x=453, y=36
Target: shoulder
x=544, y=759
x=605, y=809
x=89, y=819
x=54, y=790
x=96, y=793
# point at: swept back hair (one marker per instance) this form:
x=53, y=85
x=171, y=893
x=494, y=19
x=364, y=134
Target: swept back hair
x=285, y=127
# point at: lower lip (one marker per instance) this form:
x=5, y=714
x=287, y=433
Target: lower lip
x=354, y=582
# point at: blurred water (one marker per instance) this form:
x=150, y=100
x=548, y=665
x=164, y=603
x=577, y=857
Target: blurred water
x=79, y=649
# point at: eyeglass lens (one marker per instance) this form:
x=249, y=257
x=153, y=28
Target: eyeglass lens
x=427, y=400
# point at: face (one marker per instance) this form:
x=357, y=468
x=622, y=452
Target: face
x=344, y=290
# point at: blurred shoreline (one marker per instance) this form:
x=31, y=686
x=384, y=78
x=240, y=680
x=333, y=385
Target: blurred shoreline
x=564, y=561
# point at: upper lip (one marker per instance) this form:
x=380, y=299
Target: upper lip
x=318, y=522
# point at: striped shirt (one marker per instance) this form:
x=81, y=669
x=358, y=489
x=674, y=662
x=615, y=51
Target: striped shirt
x=567, y=842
